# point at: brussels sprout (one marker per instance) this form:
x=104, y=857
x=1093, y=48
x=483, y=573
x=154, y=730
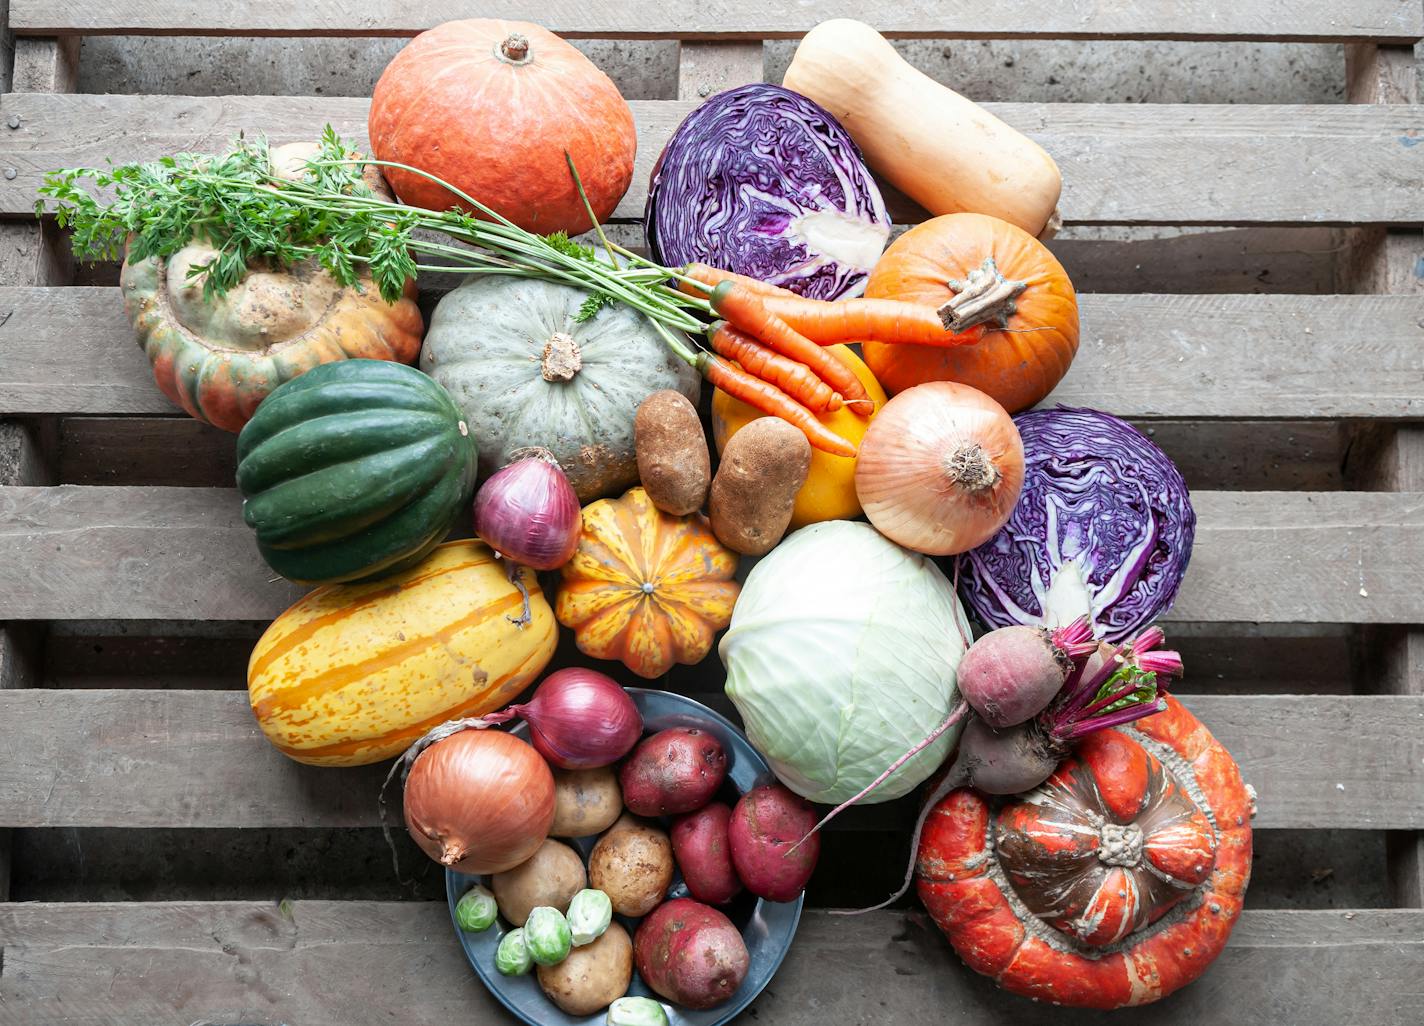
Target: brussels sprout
x=476, y=910
x=636, y=1011
x=547, y=935
x=589, y=915
x=512, y=958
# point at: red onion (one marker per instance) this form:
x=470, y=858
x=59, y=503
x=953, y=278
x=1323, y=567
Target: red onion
x=527, y=512
x=579, y=719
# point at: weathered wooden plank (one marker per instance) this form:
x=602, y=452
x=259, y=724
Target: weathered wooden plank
x=707, y=68
x=1178, y=261
x=1194, y=261
x=176, y=451
x=1213, y=455
x=140, y=758
x=326, y=963
x=1284, y=557
x=1403, y=665
x=46, y=65
x=71, y=350
x=1381, y=74
x=1379, y=20
x=1122, y=163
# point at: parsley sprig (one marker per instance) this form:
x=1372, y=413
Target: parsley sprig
x=252, y=216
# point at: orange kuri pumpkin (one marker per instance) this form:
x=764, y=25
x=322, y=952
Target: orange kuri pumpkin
x=646, y=588
x=491, y=106
x=1012, y=288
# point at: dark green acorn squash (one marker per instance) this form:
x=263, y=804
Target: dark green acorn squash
x=353, y=471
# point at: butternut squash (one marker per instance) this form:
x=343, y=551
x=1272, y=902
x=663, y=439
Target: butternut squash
x=942, y=150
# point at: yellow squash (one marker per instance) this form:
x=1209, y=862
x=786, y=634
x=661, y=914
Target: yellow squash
x=353, y=673
x=829, y=491
x=645, y=587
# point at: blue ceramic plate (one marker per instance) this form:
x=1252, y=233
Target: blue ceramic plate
x=767, y=926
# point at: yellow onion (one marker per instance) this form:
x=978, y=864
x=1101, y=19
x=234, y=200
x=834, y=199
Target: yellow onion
x=477, y=799
x=940, y=468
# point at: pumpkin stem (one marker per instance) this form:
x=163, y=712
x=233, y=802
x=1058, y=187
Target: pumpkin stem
x=969, y=467
x=515, y=49
x=562, y=359
x=984, y=295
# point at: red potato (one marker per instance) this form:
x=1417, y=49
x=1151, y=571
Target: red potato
x=674, y=771
x=690, y=954
x=703, y=853
x=765, y=825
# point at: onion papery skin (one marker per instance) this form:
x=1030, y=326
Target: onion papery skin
x=764, y=182
x=479, y=801
x=581, y=719
x=1104, y=529
x=940, y=468
x=528, y=512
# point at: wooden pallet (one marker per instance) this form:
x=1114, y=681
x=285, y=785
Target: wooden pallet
x=132, y=592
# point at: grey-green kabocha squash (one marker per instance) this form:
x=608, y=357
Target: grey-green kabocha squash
x=526, y=373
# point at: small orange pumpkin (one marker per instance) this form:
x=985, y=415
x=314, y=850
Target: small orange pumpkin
x=645, y=587
x=1009, y=286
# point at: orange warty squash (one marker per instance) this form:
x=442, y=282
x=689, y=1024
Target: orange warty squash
x=1009, y=285
x=1115, y=882
x=491, y=106
x=645, y=587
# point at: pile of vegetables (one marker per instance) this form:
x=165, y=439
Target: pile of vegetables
x=555, y=410
x=655, y=815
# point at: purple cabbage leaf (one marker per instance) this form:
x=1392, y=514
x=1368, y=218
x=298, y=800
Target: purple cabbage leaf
x=764, y=182
x=1104, y=526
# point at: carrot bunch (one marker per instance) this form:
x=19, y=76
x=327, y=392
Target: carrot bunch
x=768, y=348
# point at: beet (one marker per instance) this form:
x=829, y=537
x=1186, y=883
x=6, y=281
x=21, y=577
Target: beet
x=1011, y=674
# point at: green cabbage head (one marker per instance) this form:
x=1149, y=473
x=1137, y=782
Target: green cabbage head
x=841, y=656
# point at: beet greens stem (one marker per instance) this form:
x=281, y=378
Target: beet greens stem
x=1114, y=719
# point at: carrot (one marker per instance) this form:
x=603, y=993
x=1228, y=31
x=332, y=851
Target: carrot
x=795, y=379
x=869, y=320
x=713, y=276
x=746, y=311
x=765, y=396
x=847, y=320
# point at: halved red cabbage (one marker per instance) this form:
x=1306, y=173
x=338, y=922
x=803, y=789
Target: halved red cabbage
x=764, y=182
x=1104, y=526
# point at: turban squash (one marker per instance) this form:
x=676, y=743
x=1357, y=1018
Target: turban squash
x=218, y=358
x=1114, y=883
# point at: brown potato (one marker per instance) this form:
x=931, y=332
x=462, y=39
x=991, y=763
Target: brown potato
x=551, y=876
x=673, y=462
x=593, y=976
x=586, y=802
x=632, y=864
x=763, y=466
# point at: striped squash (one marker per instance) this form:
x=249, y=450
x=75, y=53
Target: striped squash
x=353, y=673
